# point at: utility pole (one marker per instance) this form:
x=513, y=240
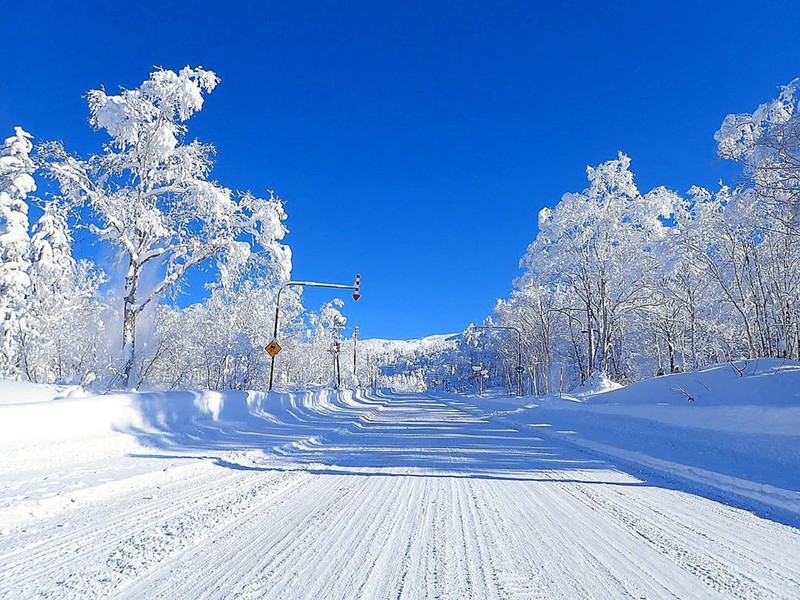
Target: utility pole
x=274, y=347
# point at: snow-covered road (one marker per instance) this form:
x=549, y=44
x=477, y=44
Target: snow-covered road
x=408, y=497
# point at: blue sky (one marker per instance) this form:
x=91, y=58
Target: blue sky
x=416, y=142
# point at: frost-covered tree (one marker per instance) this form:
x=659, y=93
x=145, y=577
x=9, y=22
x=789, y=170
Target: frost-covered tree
x=219, y=343
x=533, y=310
x=626, y=285
x=64, y=312
x=149, y=195
x=759, y=229
x=326, y=328
x=767, y=143
x=754, y=264
x=584, y=248
x=16, y=182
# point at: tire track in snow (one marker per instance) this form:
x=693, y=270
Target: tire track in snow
x=579, y=539
x=742, y=536
x=24, y=518
x=95, y=560
x=725, y=563
x=421, y=499
x=461, y=537
x=83, y=522
x=272, y=527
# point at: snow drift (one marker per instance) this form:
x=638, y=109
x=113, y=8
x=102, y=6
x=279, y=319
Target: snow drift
x=41, y=412
x=735, y=428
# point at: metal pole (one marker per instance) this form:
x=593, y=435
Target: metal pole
x=275, y=333
x=519, y=364
x=338, y=286
x=355, y=352
x=336, y=372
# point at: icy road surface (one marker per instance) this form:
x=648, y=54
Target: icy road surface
x=406, y=497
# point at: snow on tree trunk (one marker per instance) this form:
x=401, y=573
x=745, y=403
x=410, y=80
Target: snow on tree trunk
x=130, y=317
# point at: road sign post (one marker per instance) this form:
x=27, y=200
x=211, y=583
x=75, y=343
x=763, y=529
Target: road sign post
x=337, y=372
x=356, y=287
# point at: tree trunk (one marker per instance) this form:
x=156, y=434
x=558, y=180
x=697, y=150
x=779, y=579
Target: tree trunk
x=693, y=333
x=129, y=320
x=671, y=349
x=590, y=356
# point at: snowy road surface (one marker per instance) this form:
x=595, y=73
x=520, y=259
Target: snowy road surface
x=393, y=496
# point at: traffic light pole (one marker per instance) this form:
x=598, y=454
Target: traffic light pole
x=519, y=351
x=356, y=287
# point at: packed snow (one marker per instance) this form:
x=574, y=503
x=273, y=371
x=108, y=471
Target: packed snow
x=330, y=494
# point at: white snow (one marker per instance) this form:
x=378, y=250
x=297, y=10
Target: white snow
x=24, y=392
x=596, y=385
x=350, y=494
x=739, y=434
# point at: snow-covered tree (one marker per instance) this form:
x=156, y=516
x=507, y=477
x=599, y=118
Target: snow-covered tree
x=624, y=284
x=767, y=143
x=148, y=195
x=327, y=326
x=753, y=261
x=585, y=247
x=16, y=182
x=219, y=343
x=64, y=313
x=759, y=228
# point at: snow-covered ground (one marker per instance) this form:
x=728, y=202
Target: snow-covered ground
x=341, y=494
x=733, y=429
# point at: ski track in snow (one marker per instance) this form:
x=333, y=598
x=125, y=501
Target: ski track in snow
x=413, y=499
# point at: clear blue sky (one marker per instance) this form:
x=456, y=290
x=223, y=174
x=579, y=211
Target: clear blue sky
x=416, y=142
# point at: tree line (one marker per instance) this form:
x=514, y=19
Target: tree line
x=625, y=284
x=147, y=200
x=619, y=283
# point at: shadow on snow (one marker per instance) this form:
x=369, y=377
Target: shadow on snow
x=346, y=433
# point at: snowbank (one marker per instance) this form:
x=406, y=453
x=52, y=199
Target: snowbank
x=23, y=392
x=596, y=385
x=735, y=429
x=761, y=382
x=32, y=412
x=59, y=451
x=764, y=399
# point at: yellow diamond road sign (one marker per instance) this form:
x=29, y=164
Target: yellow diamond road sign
x=273, y=348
